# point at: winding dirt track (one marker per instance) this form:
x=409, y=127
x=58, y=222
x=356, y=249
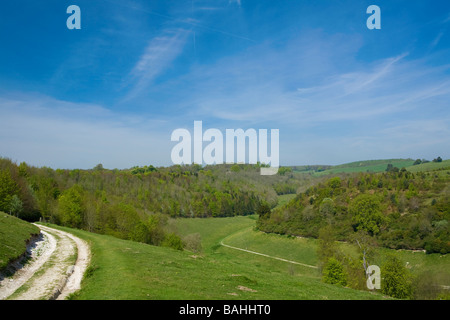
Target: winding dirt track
x=52, y=272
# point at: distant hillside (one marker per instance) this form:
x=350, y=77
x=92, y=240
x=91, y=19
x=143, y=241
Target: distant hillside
x=429, y=166
x=357, y=166
x=367, y=166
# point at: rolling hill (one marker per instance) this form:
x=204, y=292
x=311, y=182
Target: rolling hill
x=357, y=166
x=124, y=269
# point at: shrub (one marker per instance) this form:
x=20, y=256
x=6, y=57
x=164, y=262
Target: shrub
x=263, y=210
x=396, y=279
x=171, y=240
x=193, y=242
x=333, y=273
x=356, y=276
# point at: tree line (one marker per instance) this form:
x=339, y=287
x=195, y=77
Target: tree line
x=135, y=203
x=398, y=209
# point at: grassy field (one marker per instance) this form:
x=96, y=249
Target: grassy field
x=377, y=166
x=429, y=166
x=304, y=250
x=366, y=166
x=14, y=234
x=130, y=270
x=127, y=270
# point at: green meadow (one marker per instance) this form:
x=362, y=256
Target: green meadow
x=122, y=269
x=429, y=166
x=367, y=166
x=128, y=270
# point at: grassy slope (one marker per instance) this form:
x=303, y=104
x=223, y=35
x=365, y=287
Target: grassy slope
x=307, y=284
x=14, y=234
x=304, y=250
x=301, y=250
x=367, y=166
x=129, y=270
x=380, y=166
x=429, y=166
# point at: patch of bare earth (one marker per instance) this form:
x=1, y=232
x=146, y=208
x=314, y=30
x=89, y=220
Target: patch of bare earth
x=242, y=288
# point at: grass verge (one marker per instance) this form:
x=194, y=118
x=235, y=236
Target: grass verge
x=14, y=235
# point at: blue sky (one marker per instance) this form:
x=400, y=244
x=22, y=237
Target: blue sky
x=114, y=91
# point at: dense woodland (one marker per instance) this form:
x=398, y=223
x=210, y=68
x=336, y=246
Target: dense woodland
x=398, y=209
x=137, y=203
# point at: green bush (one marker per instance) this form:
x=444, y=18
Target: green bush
x=171, y=240
x=334, y=273
x=396, y=279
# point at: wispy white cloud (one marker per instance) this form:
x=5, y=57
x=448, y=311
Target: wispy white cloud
x=327, y=96
x=160, y=52
x=261, y=87
x=436, y=40
x=258, y=83
x=405, y=87
x=354, y=82
x=44, y=131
